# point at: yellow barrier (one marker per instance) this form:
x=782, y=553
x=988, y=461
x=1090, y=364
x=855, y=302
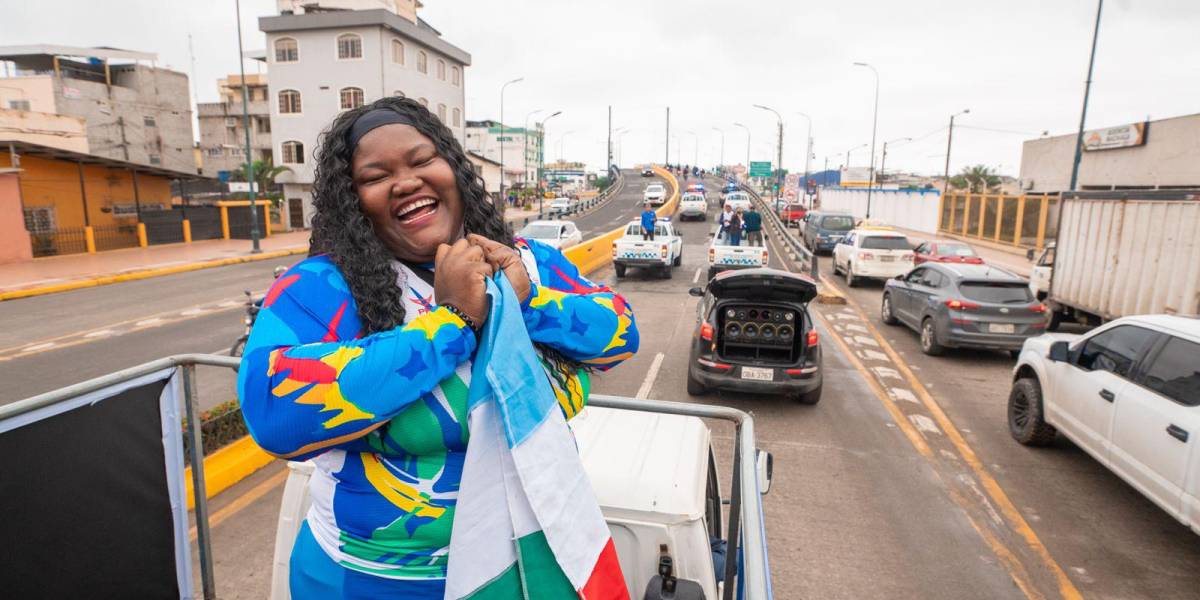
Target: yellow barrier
x=226, y=467
x=597, y=252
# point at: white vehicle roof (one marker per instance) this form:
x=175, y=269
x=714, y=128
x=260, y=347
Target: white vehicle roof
x=645, y=462
x=1189, y=325
x=550, y=222
x=878, y=233
x=654, y=186
x=696, y=196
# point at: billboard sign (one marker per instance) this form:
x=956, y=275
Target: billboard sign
x=760, y=169
x=856, y=176
x=1124, y=136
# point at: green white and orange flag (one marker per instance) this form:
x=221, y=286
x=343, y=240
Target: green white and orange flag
x=526, y=524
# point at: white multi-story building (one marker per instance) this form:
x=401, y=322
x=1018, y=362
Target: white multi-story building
x=326, y=57
x=484, y=138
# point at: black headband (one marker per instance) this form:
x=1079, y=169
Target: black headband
x=372, y=119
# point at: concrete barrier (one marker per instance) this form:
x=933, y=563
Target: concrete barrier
x=916, y=210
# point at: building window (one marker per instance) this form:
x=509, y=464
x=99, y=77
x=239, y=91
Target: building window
x=39, y=219
x=398, y=52
x=262, y=124
x=423, y=102
x=19, y=105
x=349, y=46
x=423, y=62
x=286, y=50
x=289, y=102
x=441, y=72
x=155, y=159
x=215, y=151
x=293, y=152
x=351, y=97
x=455, y=76
x=149, y=121
x=442, y=112
x=457, y=117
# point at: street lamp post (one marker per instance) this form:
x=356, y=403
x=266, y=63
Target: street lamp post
x=619, y=134
x=859, y=147
x=718, y=130
x=1087, y=90
x=542, y=162
x=506, y=84
x=949, y=140
x=254, y=249
x=807, y=155
x=883, y=159
x=747, y=148
x=874, y=126
x=779, y=151
x=525, y=143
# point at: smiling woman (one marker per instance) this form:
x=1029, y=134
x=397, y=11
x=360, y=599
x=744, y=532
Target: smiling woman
x=361, y=358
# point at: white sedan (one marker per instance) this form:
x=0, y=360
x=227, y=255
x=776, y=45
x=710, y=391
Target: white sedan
x=1128, y=393
x=873, y=253
x=560, y=234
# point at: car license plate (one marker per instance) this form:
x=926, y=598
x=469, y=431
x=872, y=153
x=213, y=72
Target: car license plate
x=758, y=374
x=887, y=259
x=1002, y=328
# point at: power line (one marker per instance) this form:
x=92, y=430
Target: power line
x=994, y=130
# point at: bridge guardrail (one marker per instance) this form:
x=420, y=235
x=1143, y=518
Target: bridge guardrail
x=580, y=207
x=794, y=247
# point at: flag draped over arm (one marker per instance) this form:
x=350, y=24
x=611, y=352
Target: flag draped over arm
x=527, y=523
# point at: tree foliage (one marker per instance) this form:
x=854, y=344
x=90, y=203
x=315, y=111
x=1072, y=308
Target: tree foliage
x=977, y=178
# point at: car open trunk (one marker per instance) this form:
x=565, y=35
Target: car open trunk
x=760, y=316
x=764, y=284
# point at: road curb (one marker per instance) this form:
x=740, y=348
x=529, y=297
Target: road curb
x=227, y=466
x=144, y=274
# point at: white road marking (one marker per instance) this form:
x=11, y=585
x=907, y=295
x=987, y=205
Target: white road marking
x=101, y=333
x=696, y=277
x=856, y=327
x=229, y=304
x=886, y=372
x=868, y=354
x=191, y=312
x=844, y=316
x=866, y=341
x=924, y=423
x=903, y=394
x=146, y=322
x=36, y=347
x=644, y=391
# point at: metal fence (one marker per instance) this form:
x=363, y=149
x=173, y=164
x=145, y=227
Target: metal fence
x=1027, y=220
x=62, y=240
x=115, y=237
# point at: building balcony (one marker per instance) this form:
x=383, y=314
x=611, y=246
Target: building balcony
x=259, y=108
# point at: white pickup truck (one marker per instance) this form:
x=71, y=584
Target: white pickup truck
x=655, y=193
x=724, y=257
x=663, y=252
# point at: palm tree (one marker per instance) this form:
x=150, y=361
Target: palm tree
x=978, y=178
x=265, y=172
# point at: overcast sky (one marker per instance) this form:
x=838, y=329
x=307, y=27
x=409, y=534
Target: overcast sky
x=1018, y=65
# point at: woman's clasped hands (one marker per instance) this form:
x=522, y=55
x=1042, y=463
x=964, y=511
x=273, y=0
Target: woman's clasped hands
x=461, y=270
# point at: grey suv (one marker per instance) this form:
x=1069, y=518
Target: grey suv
x=963, y=305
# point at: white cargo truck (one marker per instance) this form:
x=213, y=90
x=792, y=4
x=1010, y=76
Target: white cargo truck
x=1123, y=253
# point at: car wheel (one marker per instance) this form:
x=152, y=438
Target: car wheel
x=885, y=311
x=1056, y=320
x=836, y=269
x=1026, y=420
x=620, y=270
x=810, y=397
x=695, y=388
x=1015, y=354
x=929, y=342
x=678, y=261
x=851, y=280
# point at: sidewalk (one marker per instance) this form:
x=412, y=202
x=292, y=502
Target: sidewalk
x=72, y=271
x=1005, y=257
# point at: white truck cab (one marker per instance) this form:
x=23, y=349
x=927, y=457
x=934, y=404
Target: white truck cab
x=663, y=252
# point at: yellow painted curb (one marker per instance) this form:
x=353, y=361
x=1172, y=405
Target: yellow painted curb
x=144, y=274
x=228, y=466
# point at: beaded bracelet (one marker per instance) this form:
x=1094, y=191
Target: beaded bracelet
x=458, y=312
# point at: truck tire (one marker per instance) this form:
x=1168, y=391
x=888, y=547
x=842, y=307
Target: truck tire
x=678, y=261
x=1026, y=419
x=929, y=342
x=1056, y=319
x=620, y=269
x=695, y=388
x=810, y=397
x=885, y=311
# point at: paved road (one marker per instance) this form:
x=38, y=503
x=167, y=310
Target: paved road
x=59, y=339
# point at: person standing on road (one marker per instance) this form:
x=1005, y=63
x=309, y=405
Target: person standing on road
x=753, y=223
x=735, y=226
x=648, y=219
x=362, y=356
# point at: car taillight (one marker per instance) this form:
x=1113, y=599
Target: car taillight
x=664, y=251
x=812, y=339
x=766, y=258
x=706, y=331
x=956, y=304
x=712, y=255
x=614, y=250
x=866, y=256
x=1038, y=308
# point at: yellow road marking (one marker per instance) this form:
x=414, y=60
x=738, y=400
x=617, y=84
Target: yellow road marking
x=246, y=499
x=1065, y=586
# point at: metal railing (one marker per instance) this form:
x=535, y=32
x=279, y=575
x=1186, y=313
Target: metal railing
x=578, y=208
x=746, y=533
x=1026, y=220
x=796, y=250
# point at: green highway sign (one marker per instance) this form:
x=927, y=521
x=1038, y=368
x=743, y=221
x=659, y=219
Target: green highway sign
x=760, y=169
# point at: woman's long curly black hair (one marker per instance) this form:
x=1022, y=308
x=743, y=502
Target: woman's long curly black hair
x=341, y=231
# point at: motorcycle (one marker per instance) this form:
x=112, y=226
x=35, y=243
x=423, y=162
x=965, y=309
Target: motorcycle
x=253, y=306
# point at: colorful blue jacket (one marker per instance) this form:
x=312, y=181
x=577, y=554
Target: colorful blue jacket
x=383, y=416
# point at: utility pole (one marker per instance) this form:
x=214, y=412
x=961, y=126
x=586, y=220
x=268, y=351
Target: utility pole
x=874, y=126
x=667, y=154
x=1087, y=90
x=255, y=249
x=747, y=148
x=949, y=140
x=779, y=152
x=807, y=154
x=610, y=154
x=503, y=200
x=883, y=159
